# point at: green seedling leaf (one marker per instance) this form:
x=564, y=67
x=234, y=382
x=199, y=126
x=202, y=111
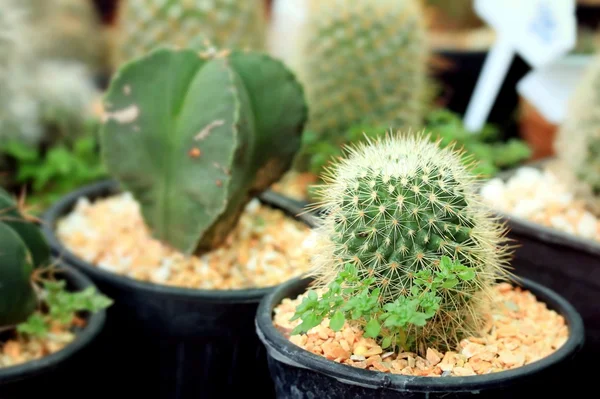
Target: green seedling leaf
x=337, y=321
x=372, y=329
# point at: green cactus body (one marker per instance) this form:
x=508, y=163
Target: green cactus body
x=22, y=249
x=210, y=132
x=577, y=143
x=364, y=61
x=29, y=232
x=146, y=24
x=396, y=206
x=17, y=293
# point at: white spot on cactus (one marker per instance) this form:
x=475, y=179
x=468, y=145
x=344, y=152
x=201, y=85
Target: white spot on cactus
x=207, y=129
x=126, y=115
x=127, y=90
x=136, y=128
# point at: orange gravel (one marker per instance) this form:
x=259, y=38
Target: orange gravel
x=523, y=330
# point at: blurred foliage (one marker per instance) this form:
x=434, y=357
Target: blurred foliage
x=486, y=147
x=49, y=173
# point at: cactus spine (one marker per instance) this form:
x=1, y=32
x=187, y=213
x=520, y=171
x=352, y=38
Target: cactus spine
x=211, y=131
x=146, y=24
x=397, y=205
x=577, y=143
x=364, y=61
x=22, y=249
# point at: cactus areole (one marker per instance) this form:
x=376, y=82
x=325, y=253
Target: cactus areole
x=195, y=135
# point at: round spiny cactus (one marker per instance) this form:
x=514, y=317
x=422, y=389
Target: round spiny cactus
x=398, y=205
x=577, y=143
x=364, y=61
x=147, y=24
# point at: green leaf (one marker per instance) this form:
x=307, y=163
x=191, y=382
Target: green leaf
x=372, y=329
x=310, y=320
x=450, y=283
x=35, y=326
x=419, y=319
x=387, y=341
x=467, y=275
x=337, y=321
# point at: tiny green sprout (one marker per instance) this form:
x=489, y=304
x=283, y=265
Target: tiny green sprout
x=349, y=298
x=62, y=307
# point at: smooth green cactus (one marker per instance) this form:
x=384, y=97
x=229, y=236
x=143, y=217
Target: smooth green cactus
x=147, y=24
x=210, y=131
x=32, y=303
x=17, y=293
x=577, y=142
x=364, y=62
x=22, y=249
x=404, y=215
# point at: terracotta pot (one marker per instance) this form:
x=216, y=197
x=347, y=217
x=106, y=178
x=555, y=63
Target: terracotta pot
x=536, y=130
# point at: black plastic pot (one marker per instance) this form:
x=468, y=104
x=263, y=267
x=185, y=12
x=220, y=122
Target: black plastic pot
x=66, y=373
x=171, y=342
x=458, y=83
x=563, y=262
x=301, y=374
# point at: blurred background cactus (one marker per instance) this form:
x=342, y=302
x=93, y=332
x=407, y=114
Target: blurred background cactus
x=213, y=162
x=400, y=216
x=577, y=141
x=143, y=25
x=364, y=62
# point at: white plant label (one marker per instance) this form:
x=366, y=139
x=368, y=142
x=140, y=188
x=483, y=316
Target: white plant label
x=549, y=88
x=540, y=31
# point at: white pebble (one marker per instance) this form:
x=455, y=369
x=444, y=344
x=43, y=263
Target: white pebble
x=527, y=207
x=561, y=223
x=253, y=205
x=587, y=225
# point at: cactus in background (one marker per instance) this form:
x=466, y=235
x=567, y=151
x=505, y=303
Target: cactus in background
x=68, y=30
x=405, y=234
x=210, y=132
x=146, y=24
x=22, y=248
x=44, y=69
x=364, y=62
x=577, y=142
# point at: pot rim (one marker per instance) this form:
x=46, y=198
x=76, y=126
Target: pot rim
x=97, y=190
x=95, y=324
x=281, y=349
